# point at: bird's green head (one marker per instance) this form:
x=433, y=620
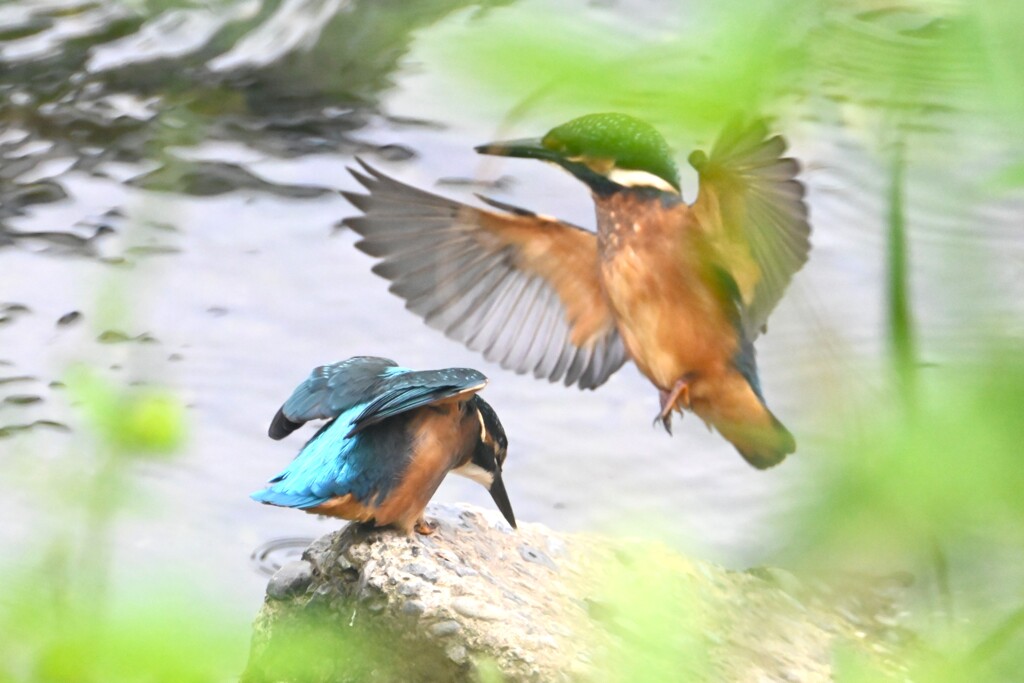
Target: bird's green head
x=614, y=149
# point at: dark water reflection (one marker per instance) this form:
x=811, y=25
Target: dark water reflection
x=184, y=165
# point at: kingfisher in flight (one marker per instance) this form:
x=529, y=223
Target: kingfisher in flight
x=391, y=437
x=682, y=289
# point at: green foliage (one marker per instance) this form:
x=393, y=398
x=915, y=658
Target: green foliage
x=947, y=471
x=998, y=26
x=132, y=420
x=902, y=347
x=313, y=645
x=487, y=671
x=657, y=621
x=933, y=484
x=853, y=666
x=815, y=58
x=1011, y=177
x=557, y=61
x=58, y=620
x=64, y=640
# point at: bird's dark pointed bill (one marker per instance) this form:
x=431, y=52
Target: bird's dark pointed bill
x=526, y=148
x=501, y=499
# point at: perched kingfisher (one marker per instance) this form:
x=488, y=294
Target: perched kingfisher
x=681, y=289
x=392, y=436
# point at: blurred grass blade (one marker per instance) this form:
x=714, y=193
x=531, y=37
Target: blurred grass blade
x=901, y=328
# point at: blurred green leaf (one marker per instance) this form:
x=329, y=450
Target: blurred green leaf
x=853, y=666
x=658, y=623
x=543, y=59
x=902, y=480
x=1011, y=177
x=1000, y=25
x=812, y=58
x=313, y=645
x=943, y=478
x=901, y=335
x=487, y=671
x=133, y=420
x=161, y=640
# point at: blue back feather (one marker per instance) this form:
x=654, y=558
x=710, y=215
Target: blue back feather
x=365, y=449
x=332, y=464
x=745, y=360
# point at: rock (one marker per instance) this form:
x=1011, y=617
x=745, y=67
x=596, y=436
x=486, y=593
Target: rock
x=533, y=555
x=412, y=608
x=445, y=628
x=478, y=601
x=423, y=571
x=69, y=318
x=468, y=607
x=291, y=579
x=456, y=653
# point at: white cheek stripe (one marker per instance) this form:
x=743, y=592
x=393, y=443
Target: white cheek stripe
x=476, y=473
x=631, y=178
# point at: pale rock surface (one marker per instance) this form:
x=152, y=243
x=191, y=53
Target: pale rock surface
x=479, y=601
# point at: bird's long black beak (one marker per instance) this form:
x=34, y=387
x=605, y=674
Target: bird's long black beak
x=525, y=148
x=500, y=497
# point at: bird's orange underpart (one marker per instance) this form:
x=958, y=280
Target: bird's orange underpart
x=730, y=404
x=665, y=297
x=345, y=507
x=440, y=434
x=439, y=442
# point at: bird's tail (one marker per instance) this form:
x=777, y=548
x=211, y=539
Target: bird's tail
x=740, y=415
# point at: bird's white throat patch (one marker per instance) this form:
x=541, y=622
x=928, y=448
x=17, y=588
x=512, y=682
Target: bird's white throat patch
x=476, y=473
x=634, y=178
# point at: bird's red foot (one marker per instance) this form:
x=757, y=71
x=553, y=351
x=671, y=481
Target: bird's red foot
x=676, y=399
x=423, y=527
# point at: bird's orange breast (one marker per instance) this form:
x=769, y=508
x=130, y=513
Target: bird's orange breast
x=440, y=438
x=667, y=309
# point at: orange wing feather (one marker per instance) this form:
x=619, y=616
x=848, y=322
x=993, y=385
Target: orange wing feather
x=566, y=257
x=523, y=289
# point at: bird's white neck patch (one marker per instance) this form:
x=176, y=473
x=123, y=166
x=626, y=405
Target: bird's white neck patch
x=476, y=473
x=634, y=178
x=485, y=435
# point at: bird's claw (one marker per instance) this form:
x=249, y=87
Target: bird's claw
x=665, y=419
x=670, y=400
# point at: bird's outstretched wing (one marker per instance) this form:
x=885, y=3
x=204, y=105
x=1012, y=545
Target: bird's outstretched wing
x=329, y=391
x=410, y=390
x=752, y=207
x=520, y=288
